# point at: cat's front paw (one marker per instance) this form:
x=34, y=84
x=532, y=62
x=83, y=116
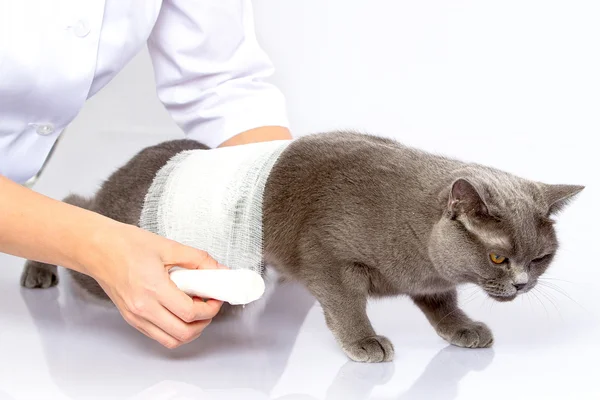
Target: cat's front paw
x=372, y=349
x=472, y=335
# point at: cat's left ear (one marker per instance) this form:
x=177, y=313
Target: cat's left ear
x=558, y=196
x=465, y=199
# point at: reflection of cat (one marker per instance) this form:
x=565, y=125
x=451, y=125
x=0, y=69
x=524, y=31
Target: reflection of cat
x=443, y=373
x=355, y=381
x=352, y=216
x=91, y=352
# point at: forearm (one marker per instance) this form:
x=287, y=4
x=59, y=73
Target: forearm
x=262, y=134
x=37, y=227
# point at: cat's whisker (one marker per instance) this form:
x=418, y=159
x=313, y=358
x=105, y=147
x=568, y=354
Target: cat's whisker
x=539, y=290
x=487, y=301
x=550, y=278
x=473, y=297
x=547, y=293
x=444, y=317
x=468, y=290
x=541, y=302
x=530, y=303
x=482, y=301
x=560, y=291
x=557, y=289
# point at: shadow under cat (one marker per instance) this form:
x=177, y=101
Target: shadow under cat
x=439, y=380
x=355, y=381
x=91, y=351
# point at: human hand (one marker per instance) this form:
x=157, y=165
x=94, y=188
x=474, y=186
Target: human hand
x=132, y=265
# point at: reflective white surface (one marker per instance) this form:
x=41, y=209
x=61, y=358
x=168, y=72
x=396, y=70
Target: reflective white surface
x=55, y=344
x=512, y=84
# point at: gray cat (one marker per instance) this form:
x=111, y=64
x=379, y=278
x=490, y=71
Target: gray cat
x=353, y=216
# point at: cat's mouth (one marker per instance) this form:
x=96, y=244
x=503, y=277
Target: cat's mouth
x=500, y=292
x=503, y=292
x=502, y=298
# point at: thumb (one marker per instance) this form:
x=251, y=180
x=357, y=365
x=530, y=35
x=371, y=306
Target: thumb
x=183, y=256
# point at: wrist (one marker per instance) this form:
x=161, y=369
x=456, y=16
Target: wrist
x=261, y=134
x=92, y=244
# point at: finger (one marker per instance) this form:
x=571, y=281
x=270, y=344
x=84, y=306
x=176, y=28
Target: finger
x=173, y=326
x=153, y=332
x=208, y=322
x=189, y=257
x=136, y=320
x=186, y=308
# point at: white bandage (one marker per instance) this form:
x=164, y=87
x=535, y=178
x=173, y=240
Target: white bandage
x=212, y=200
x=235, y=286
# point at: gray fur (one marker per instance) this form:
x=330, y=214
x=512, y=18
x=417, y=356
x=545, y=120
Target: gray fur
x=354, y=216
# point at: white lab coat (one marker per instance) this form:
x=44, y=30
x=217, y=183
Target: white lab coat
x=209, y=69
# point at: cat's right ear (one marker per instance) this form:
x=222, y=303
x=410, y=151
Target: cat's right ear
x=558, y=196
x=466, y=200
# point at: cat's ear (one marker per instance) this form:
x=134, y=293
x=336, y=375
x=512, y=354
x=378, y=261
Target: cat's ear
x=558, y=196
x=465, y=199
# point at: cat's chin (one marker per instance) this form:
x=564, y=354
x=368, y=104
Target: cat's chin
x=503, y=299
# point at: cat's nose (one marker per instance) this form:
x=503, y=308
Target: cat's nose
x=520, y=280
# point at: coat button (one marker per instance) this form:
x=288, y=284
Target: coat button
x=81, y=29
x=44, y=129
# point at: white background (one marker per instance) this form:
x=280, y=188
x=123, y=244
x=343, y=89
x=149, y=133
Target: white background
x=512, y=84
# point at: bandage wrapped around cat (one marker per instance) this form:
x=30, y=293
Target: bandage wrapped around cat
x=212, y=200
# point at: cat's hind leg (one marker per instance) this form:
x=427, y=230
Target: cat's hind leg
x=37, y=275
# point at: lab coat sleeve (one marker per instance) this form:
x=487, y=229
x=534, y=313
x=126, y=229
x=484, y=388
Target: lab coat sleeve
x=211, y=73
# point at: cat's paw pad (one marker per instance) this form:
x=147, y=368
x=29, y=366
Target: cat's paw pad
x=38, y=275
x=473, y=335
x=372, y=349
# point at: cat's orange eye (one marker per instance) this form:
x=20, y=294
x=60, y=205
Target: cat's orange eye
x=496, y=259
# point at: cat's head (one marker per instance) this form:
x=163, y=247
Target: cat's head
x=497, y=231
